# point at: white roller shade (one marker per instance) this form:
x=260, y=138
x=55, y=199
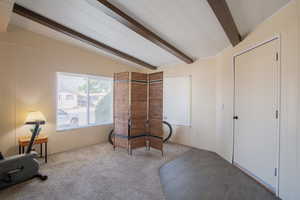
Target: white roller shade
x=177, y=100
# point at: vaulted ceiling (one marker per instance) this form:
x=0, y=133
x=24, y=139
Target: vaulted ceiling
x=190, y=26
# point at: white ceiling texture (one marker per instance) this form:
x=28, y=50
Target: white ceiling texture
x=189, y=25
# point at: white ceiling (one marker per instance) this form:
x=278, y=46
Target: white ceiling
x=43, y=30
x=248, y=14
x=89, y=20
x=191, y=26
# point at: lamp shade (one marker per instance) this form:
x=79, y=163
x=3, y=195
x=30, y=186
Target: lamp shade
x=35, y=117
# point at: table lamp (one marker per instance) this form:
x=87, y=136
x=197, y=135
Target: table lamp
x=35, y=118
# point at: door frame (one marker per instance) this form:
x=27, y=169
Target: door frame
x=278, y=107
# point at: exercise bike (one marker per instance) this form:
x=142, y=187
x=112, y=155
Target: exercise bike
x=19, y=168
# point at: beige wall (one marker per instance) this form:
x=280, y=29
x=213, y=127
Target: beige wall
x=212, y=103
x=5, y=12
x=285, y=24
x=27, y=82
x=201, y=133
x=28, y=67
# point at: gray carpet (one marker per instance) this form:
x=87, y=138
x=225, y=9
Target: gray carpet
x=98, y=173
x=203, y=175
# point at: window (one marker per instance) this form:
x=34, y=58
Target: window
x=70, y=97
x=83, y=100
x=177, y=100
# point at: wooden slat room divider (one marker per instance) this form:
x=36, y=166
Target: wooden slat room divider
x=138, y=110
x=121, y=109
x=156, y=110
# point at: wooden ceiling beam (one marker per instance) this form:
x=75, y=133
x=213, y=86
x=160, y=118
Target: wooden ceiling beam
x=225, y=18
x=137, y=27
x=29, y=14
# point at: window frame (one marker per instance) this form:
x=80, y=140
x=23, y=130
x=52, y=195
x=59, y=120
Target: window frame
x=88, y=77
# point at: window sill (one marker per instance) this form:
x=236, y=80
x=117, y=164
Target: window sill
x=81, y=127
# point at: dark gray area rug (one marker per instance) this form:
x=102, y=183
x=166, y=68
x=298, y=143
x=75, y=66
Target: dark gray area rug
x=203, y=175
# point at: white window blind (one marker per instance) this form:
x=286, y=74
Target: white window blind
x=177, y=100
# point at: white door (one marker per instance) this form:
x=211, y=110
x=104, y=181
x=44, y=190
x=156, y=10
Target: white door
x=256, y=129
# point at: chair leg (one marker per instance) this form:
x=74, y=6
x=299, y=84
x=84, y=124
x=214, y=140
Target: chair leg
x=114, y=143
x=41, y=150
x=46, y=152
x=147, y=145
x=129, y=150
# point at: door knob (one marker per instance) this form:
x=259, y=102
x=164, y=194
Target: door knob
x=236, y=117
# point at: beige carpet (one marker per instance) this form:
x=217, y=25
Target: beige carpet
x=98, y=173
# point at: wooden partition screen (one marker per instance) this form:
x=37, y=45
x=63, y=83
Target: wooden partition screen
x=138, y=110
x=121, y=109
x=156, y=110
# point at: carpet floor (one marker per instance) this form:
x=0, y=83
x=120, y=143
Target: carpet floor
x=98, y=173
